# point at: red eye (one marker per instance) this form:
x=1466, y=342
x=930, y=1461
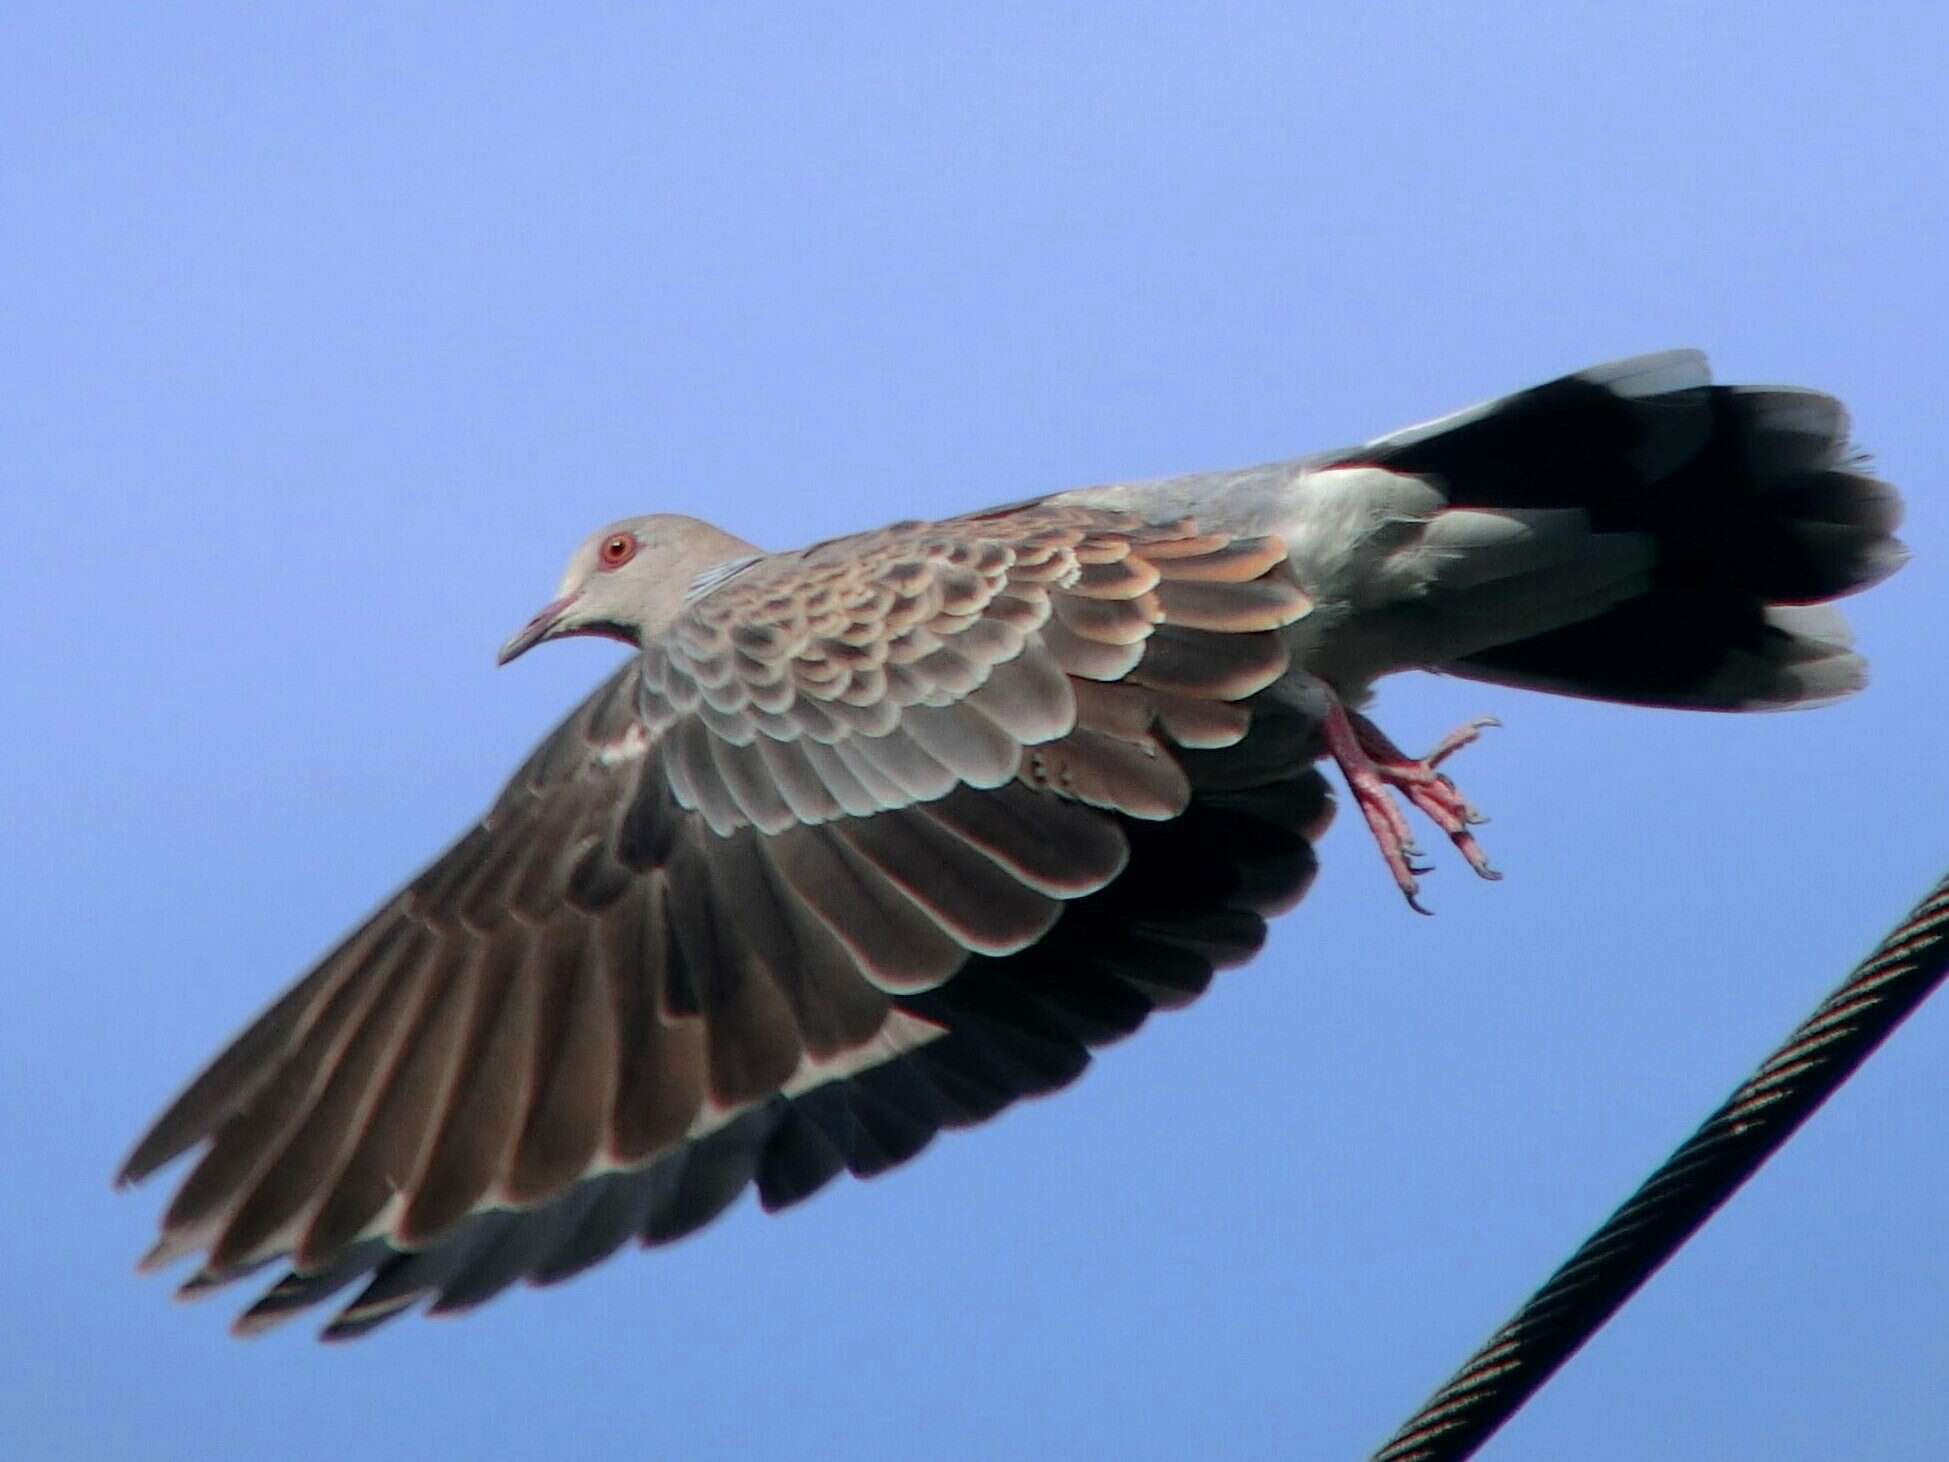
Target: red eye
x=617, y=549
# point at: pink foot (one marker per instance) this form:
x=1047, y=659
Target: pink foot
x=1375, y=768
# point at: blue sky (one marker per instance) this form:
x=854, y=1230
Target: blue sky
x=326, y=340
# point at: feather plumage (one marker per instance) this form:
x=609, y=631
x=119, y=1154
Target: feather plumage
x=871, y=840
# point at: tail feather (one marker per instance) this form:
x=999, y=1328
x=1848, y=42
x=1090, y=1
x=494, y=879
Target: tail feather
x=1690, y=651
x=1751, y=498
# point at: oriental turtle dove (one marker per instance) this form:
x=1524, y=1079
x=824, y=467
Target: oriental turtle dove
x=873, y=838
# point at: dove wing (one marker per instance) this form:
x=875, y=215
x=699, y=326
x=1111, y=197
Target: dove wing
x=874, y=839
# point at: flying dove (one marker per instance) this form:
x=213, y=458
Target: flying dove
x=876, y=837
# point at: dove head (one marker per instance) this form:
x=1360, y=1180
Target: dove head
x=628, y=581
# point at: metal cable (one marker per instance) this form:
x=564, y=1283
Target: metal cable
x=1675, y=1201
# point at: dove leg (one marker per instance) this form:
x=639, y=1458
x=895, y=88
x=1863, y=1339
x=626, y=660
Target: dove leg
x=1376, y=769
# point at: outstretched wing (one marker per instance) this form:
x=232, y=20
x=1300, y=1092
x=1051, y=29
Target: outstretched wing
x=875, y=839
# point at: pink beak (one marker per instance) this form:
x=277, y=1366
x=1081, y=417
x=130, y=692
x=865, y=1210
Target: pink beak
x=537, y=629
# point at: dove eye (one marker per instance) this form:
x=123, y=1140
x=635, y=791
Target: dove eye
x=617, y=550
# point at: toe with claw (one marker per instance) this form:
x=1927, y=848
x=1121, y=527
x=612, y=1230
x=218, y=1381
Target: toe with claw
x=1376, y=769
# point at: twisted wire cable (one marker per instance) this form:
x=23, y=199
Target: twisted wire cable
x=1676, y=1200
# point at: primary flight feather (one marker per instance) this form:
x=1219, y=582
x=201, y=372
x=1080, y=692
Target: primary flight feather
x=873, y=838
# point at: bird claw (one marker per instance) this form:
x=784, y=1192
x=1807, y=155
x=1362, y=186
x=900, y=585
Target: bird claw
x=1455, y=740
x=1376, y=769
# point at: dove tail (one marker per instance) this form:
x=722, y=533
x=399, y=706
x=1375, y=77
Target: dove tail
x=1756, y=508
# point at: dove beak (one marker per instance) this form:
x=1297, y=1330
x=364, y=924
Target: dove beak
x=545, y=625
